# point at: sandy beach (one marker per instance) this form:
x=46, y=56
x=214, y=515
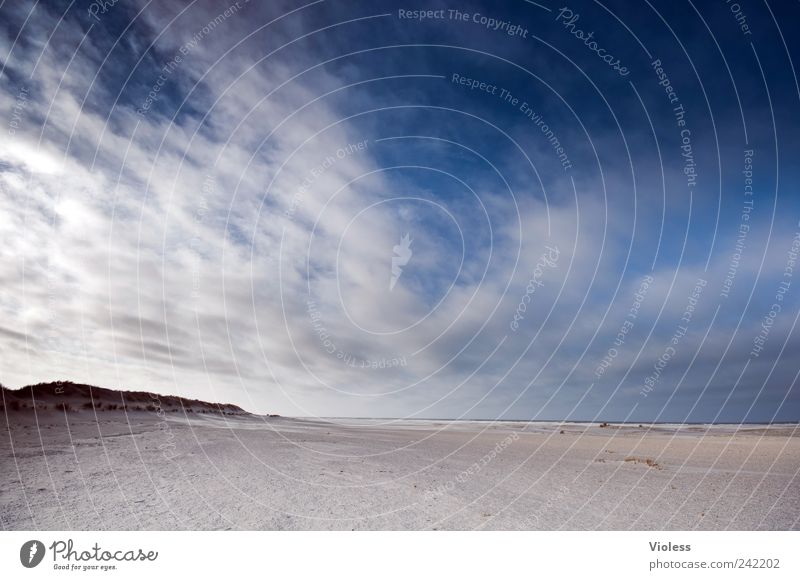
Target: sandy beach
x=173, y=470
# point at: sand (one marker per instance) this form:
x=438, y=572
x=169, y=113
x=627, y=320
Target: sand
x=172, y=471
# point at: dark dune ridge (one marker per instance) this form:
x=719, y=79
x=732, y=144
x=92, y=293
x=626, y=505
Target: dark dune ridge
x=73, y=397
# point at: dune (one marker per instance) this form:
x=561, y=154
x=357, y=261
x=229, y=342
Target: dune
x=71, y=397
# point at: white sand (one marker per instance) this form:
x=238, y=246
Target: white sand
x=253, y=472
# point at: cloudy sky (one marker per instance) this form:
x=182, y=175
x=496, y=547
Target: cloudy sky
x=485, y=210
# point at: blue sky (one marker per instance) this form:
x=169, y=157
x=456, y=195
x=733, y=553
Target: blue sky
x=205, y=199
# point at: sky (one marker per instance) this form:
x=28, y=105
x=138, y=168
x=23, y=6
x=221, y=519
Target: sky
x=468, y=210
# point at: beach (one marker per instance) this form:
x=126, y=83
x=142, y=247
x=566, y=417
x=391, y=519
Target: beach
x=175, y=470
